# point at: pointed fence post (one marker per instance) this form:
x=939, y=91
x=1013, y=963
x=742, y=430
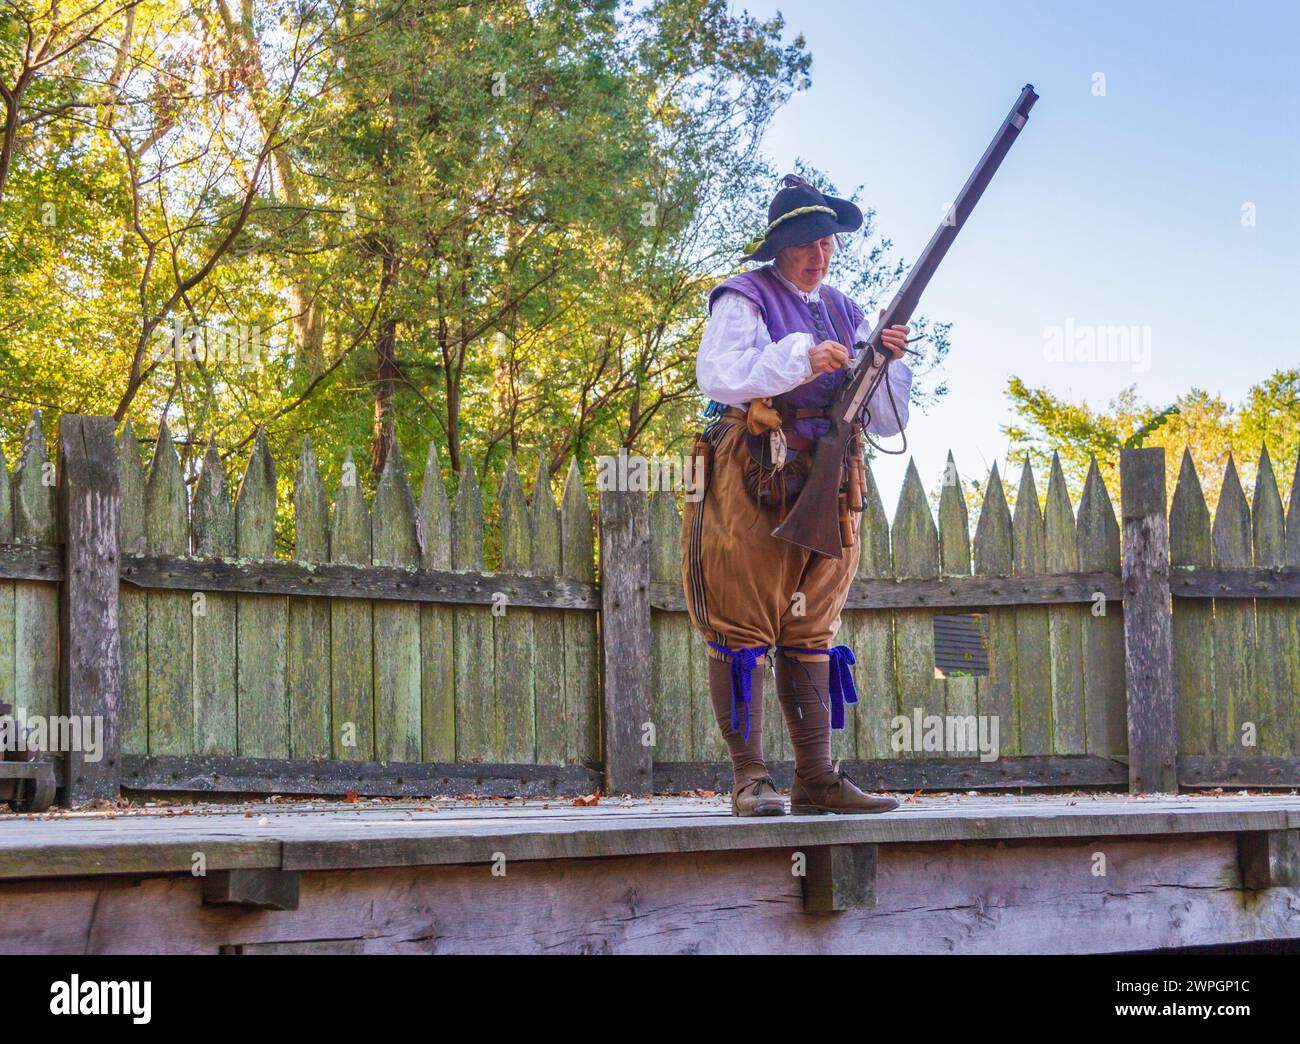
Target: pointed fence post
x=1033, y=622
x=212, y=529
x=132, y=602
x=90, y=656
x=625, y=639
x=1148, y=624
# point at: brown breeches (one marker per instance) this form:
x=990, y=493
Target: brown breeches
x=746, y=590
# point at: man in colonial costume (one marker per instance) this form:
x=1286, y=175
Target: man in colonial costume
x=772, y=358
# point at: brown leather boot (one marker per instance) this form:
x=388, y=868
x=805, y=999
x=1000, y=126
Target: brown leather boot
x=840, y=795
x=757, y=797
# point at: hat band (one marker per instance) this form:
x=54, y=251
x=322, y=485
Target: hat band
x=797, y=212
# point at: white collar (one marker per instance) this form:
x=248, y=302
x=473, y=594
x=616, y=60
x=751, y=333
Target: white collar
x=813, y=295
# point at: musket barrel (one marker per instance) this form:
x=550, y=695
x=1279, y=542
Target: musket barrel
x=811, y=523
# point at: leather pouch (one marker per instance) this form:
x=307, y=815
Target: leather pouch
x=774, y=473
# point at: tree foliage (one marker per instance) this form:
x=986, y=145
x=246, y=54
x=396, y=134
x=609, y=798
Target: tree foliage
x=1203, y=422
x=493, y=224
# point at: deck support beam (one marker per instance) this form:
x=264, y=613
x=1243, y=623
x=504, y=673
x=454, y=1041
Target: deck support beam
x=1269, y=858
x=265, y=889
x=839, y=878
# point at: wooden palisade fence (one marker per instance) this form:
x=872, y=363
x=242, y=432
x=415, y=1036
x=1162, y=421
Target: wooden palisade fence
x=1148, y=651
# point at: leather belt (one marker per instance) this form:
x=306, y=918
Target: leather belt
x=798, y=442
x=792, y=437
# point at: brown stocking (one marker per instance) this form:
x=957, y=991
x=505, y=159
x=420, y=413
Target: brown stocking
x=803, y=687
x=746, y=754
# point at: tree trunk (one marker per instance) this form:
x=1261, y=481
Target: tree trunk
x=386, y=371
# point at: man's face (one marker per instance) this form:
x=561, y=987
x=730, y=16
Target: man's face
x=805, y=265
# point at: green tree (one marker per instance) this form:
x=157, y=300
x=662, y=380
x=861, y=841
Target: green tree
x=1205, y=424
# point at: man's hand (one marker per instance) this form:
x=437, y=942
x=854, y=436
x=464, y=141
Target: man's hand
x=894, y=339
x=828, y=357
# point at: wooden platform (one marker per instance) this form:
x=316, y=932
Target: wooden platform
x=948, y=873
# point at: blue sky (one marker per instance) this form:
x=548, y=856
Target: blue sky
x=1117, y=210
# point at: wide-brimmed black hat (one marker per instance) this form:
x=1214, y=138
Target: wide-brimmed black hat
x=800, y=214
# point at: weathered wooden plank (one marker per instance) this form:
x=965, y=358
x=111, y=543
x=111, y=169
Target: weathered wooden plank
x=36, y=605
x=90, y=665
x=1033, y=629
x=671, y=642
x=132, y=603
x=1238, y=770
x=475, y=692
x=870, y=633
x=1102, y=640
x=1152, y=718
x=512, y=632
x=215, y=656
x=1193, y=622
x=396, y=626
x=262, y=624
x=309, y=618
x=1275, y=638
x=578, y=560
x=437, y=642
x=915, y=541
x=931, y=771
x=362, y=838
x=170, y=640
x=91, y=846
x=993, y=555
x=548, y=628
x=22, y=562
x=625, y=639
x=338, y=580
x=1238, y=583
x=352, y=678
x=99, y=857
x=961, y=694
x=1236, y=713
x=314, y=776
x=7, y=588
x=980, y=592
x=1065, y=623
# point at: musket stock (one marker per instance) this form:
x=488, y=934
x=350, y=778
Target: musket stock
x=813, y=522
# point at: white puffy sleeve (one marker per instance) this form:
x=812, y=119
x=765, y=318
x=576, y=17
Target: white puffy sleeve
x=887, y=408
x=738, y=360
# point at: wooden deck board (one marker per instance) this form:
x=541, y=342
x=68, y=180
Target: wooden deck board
x=306, y=836
x=957, y=873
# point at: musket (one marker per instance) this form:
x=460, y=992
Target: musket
x=813, y=522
